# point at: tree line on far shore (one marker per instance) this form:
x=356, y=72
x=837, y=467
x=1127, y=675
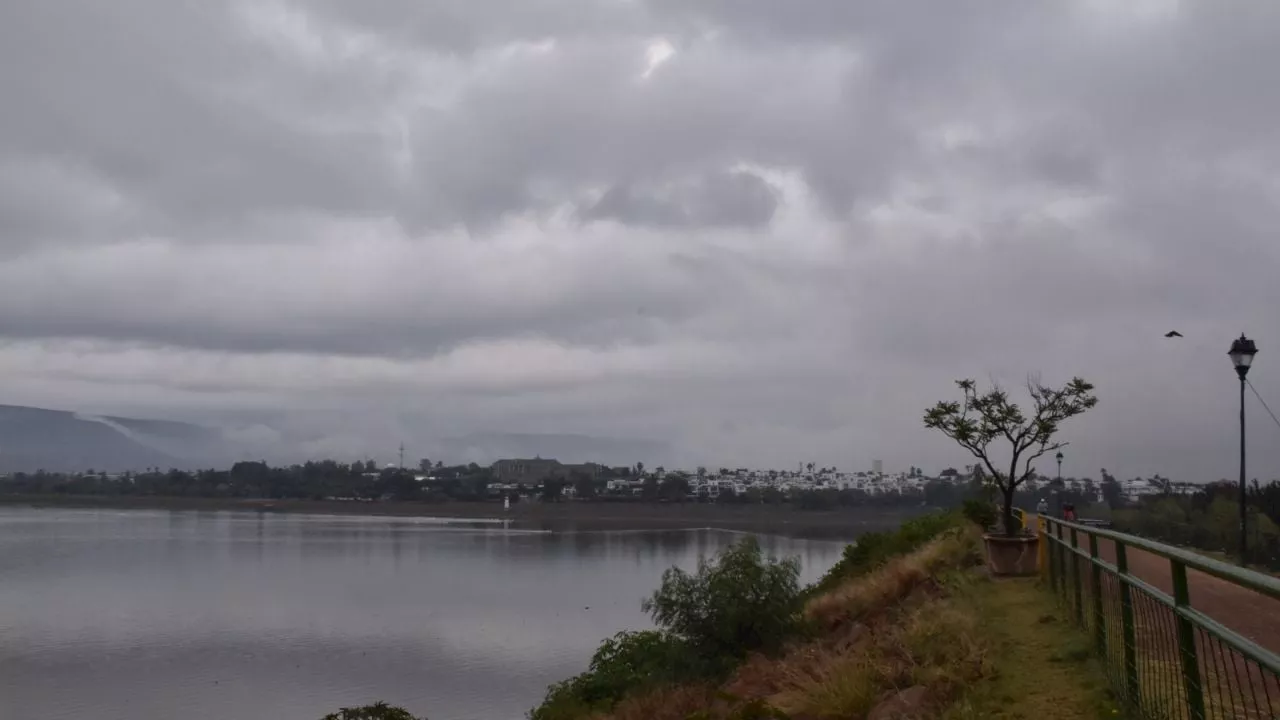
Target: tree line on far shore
x=1209, y=519
x=467, y=483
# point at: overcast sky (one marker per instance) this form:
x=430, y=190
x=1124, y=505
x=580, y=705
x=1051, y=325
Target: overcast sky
x=765, y=232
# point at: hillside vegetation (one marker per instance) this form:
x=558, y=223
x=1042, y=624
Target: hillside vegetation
x=740, y=639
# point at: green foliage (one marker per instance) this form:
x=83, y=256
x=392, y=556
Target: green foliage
x=1208, y=520
x=376, y=711
x=622, y=664
x=983, y=418
x=876, y=548
x=738, y=603
x=980, y=513
x=709, y=620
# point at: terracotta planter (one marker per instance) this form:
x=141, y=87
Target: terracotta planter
x=1017, y=555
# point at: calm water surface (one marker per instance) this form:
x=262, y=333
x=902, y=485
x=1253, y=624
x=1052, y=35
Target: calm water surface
x=139, y=615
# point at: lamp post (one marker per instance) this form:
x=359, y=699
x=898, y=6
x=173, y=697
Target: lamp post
x=1242, y=352
x=1058, y=483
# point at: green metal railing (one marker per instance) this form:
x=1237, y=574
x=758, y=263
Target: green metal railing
x=1165, y=657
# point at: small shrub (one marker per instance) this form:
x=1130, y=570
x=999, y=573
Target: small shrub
x=623, y=664
x=981, y=513
x=376, y=711
x=562, y=702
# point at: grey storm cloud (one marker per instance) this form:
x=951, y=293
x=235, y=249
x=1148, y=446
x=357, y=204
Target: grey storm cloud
x=726, y=199
x=761, y=232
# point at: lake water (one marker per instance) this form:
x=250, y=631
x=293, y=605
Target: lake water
x=140, y=615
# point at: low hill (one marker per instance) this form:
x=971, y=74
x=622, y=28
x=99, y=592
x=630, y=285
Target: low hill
x=58, y=440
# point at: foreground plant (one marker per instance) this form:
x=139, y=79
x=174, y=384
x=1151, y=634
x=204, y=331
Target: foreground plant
x=708, y=621
x=737, y=604
x=980, y=420
x=376, y=711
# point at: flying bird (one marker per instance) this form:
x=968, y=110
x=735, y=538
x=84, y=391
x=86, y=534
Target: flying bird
x=1173, y=333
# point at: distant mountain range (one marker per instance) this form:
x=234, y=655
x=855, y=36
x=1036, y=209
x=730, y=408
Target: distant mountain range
x=58, y=440
x=64, y=441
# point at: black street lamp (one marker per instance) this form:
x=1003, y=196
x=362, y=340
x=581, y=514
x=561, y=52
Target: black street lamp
x=1242, y=352
x=1058, y=482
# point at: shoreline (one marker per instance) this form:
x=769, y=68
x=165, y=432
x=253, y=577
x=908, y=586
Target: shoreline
x=842, y=523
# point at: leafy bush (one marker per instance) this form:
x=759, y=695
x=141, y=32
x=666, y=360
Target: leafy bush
x=622, y=664
x=981, y=513
x=376, y=711
x=738, y=603
x=876, y=548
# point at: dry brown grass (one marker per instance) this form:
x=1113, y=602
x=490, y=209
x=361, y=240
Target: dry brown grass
x=841, y=686
x=934, y=643
x=670, y=703
x=762, y=676
x=859, y=598
x=940, y=645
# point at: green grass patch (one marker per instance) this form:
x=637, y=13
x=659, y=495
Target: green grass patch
x=1043, y=667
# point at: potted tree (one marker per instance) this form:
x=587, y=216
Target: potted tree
x=982, y=423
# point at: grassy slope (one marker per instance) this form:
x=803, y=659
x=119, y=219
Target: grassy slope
x=980, y=648
x=891, y=628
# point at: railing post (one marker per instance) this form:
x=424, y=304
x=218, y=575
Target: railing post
x=1187, y=642
x=1051, y=550
x=1095, y=578
x=1061, y=547
x=1075, y=577
x=1042, y=548
x=1130, y=633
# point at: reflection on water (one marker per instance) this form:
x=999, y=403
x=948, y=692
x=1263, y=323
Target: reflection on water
x=136, y=615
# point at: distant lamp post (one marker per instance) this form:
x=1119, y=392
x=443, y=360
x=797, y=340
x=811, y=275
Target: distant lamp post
x=1058, y=482
x=1242, y=352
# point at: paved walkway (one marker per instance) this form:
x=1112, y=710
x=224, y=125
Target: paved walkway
x=1252, y=614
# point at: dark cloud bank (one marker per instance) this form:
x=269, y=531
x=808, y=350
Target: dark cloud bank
x=751, y=232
